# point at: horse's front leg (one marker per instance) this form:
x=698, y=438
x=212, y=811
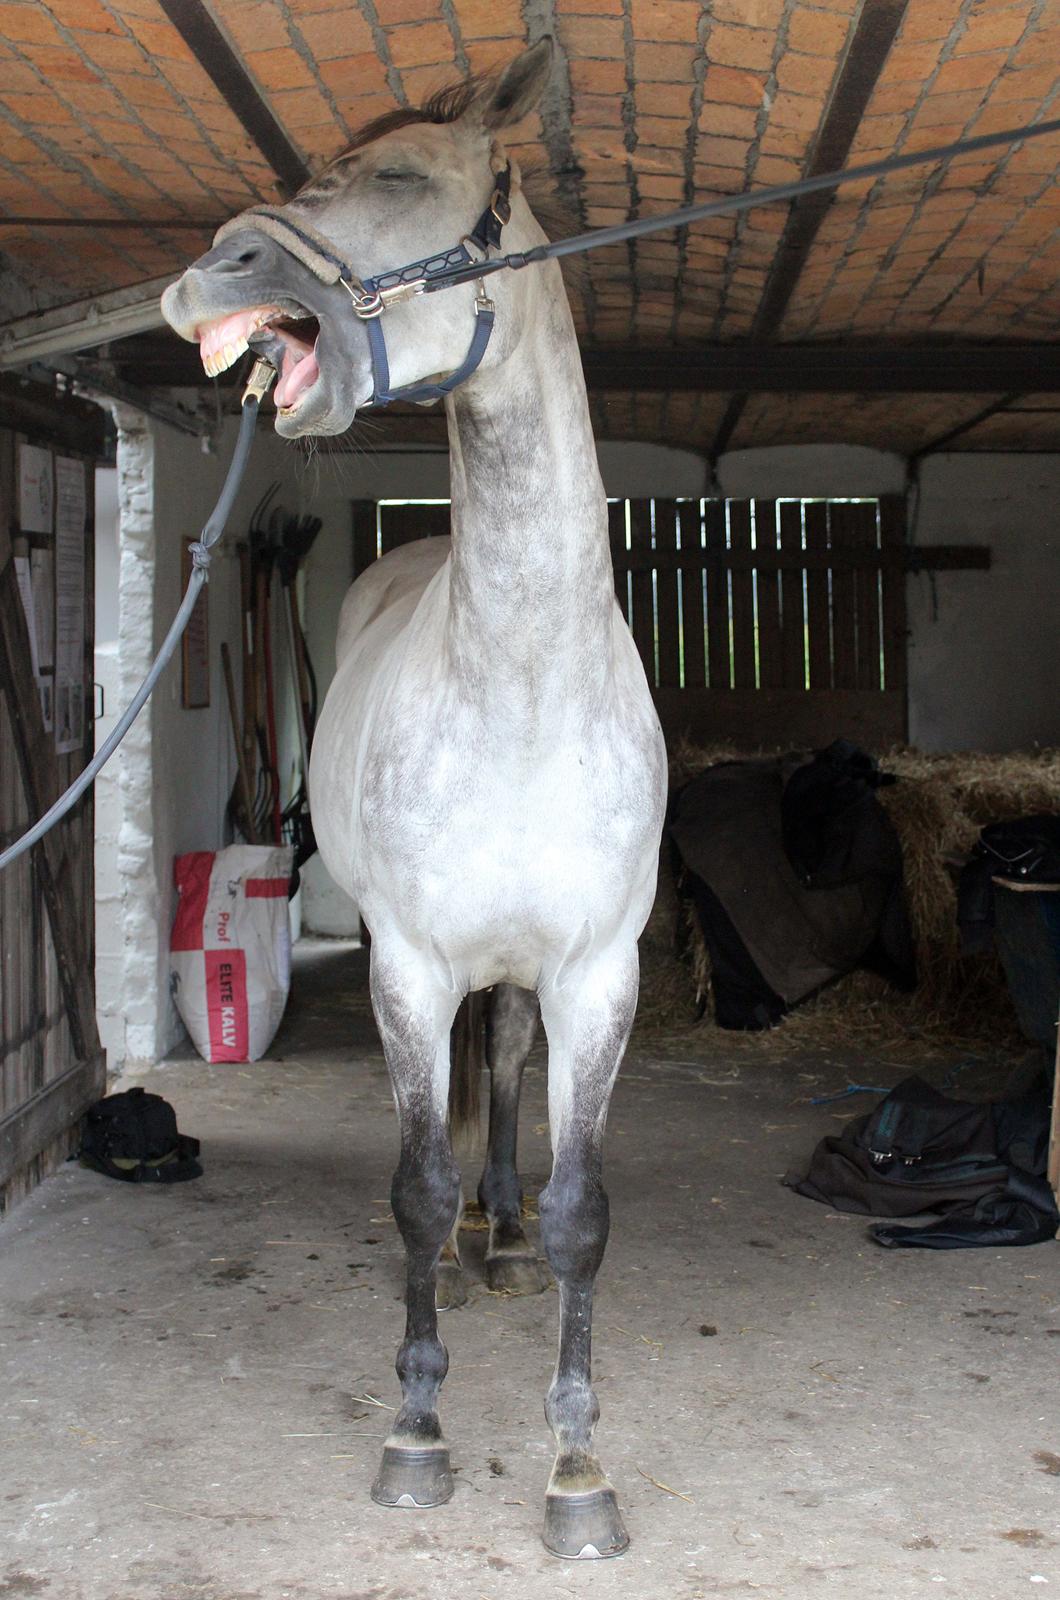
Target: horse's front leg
x=414, y=1013
x=511, y=1262
x=587, y=1026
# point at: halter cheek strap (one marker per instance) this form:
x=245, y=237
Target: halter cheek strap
x=372, y=296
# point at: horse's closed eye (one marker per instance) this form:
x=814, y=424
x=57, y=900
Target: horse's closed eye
x=399, y=175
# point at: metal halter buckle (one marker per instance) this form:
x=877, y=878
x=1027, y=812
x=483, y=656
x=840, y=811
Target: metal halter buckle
x=372, y=303
x=402, y=291
x=500, y=207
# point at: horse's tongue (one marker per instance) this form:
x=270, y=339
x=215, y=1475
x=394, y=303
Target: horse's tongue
x=298, y=374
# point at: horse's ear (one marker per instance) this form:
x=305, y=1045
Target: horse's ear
x=520, y=86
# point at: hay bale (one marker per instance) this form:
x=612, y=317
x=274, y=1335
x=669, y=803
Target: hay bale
x=938, y=808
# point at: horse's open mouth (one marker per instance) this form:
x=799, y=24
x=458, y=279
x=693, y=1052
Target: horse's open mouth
x=286, y=337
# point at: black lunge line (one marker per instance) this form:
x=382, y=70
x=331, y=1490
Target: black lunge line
x=260, y=379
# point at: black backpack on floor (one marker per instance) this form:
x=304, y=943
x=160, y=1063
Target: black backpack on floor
x=979, y=1166
x=133, y=1136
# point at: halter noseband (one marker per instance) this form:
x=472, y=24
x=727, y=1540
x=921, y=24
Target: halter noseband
x=372, y=296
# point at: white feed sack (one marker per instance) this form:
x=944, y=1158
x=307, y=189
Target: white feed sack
x=230, y=949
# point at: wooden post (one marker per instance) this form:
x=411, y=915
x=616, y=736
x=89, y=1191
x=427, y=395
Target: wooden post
x=642, y=622
x=38, y=767
x=1054, y=1129
x=242, y=775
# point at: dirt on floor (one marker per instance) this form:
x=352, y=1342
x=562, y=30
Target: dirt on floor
x=196, y=1380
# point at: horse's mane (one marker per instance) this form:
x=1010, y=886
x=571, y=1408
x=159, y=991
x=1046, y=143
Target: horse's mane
x=444, y=105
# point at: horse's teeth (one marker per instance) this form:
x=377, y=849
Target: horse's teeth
x=221, y=357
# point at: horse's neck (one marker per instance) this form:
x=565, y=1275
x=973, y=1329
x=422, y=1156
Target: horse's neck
x=531, y=590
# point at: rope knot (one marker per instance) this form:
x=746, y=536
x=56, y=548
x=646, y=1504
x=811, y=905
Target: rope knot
x=200, y=556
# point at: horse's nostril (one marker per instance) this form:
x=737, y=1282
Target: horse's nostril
x=237, y=256
x=242, y=262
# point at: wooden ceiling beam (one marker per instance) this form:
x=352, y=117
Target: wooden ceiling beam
x=160, y=360
x=37, y=410
x=233, y=82
x=879, y=368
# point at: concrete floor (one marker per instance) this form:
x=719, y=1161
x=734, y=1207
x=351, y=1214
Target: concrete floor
x=194, y=1379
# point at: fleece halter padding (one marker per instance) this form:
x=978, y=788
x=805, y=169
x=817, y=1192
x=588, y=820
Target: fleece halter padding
x=297, y=238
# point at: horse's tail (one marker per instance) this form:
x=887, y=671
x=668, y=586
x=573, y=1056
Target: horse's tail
x=467, y=1058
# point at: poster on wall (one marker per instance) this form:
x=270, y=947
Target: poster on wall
x=36, y=495
x=69, y=603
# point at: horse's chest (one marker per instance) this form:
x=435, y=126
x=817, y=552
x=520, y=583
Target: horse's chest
x=469, y=842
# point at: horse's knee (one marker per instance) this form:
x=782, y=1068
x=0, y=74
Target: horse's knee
x=425, y=1198
x=575, y=1217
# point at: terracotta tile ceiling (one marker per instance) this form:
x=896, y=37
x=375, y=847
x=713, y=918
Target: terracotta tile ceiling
x=106, y=113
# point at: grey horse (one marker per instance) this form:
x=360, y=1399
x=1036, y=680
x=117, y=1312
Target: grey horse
x=488, y=776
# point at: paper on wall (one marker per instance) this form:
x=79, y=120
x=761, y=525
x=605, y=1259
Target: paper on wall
x=25, y=589
x=36, y=497
x=24, y=578
x=42, y=570
x=46, y=691
x=69, y=603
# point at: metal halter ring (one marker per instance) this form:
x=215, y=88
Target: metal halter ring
x=365, y=305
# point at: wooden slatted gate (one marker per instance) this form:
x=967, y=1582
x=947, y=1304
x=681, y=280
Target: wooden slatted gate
x=51, y=1065
x=760, y=622
x=380, y=526
x=768, y=622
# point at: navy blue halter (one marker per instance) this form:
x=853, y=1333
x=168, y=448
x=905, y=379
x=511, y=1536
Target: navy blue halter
x=372, y=295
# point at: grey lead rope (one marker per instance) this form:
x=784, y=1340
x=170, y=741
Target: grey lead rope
x=200, y=555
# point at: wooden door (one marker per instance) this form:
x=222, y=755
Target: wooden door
x=51, y=1064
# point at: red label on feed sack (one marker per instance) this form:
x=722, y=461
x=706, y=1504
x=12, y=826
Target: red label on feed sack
x=226, y=1004
x=191, y=874
x=265, y=888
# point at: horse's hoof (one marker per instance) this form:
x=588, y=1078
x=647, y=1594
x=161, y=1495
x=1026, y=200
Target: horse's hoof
x=584, y=1526
x=450, y=1290
x=512, y=1274
x=416, y=1475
